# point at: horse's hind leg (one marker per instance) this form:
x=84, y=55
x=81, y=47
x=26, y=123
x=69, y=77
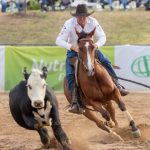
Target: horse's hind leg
x=110, y=108
x=121, y=104
x=93, y=117
x=105, y=114
x=98, y=107
x=45, y=139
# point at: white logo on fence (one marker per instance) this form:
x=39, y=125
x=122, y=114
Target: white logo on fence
x=54, y=66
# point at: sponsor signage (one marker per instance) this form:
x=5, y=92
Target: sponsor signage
x=18, y=57
x=134, y=62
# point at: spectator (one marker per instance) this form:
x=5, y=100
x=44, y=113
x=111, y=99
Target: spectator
x=107, y=2
x=4, y=5
x=21, y=5
x=124, y=4
x=44, y=5
x=147, y=5
x=138, y=3
x=65, y=3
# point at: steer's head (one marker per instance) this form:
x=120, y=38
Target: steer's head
x=36, y=86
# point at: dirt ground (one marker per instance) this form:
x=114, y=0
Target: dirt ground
x=83, y=133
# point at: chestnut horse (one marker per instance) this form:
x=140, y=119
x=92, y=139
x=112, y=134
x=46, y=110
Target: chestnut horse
x=98, y=89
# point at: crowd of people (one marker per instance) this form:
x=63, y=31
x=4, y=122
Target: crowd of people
x=125, y=4
x=99, y=4
x=46, y=5
x=12, y=5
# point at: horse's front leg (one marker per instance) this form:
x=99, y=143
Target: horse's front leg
x=135, y=131
x=93, y=117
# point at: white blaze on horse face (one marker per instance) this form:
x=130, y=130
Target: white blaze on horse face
x=89, y=61
x=36, y=88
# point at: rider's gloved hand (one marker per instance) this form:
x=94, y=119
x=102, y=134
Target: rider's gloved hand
x=75, y=48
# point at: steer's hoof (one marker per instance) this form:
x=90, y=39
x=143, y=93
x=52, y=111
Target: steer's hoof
x=66, y=146
x=45, y=146
x=136, y=134
x=69, y=141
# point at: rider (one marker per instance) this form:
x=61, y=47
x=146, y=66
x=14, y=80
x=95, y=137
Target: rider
x=67, y=38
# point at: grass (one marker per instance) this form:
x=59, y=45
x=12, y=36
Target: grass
x=130, y=27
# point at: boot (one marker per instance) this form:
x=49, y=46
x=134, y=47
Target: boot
x=76, y=106
x=122, y=90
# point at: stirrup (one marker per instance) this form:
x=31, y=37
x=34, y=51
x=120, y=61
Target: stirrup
x=76, y=108
x=123, y=92
x=121, y=88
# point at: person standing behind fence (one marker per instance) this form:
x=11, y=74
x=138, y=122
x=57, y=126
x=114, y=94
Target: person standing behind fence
x=21, y=5
x=124, y=3
x=4, y=5
x=65, y=3
x=107, y=2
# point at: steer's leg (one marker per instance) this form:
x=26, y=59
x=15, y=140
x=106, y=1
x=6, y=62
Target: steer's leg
x=45, y=139
x=34, y=125
x=30, y=122
x=57, y=129
x=93, y=117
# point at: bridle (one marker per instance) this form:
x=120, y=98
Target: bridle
x=79, y=54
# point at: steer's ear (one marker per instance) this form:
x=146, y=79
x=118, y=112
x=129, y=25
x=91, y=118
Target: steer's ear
x=25, y=73
x=45, y=72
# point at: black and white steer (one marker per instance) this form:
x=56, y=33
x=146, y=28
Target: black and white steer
x=34, y=105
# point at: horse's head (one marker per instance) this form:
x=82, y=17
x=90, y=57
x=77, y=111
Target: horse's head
x=87, y=51
x=36, y=86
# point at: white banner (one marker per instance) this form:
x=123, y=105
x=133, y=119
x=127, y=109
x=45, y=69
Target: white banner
x=2, y=67
x=134, y=62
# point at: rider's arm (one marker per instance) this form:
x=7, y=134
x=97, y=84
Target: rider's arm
x=62, y=39
x=100, y=35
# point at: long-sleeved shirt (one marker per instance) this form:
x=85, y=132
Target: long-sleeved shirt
x=68, y=37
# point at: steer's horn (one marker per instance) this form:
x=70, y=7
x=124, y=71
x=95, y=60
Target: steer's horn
x=45, y=71
x=25, y=73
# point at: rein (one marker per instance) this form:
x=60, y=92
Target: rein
x=134, y=82
x=80, y=60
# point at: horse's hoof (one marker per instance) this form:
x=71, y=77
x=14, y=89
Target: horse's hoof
x=136, y=134
x=109, y=124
